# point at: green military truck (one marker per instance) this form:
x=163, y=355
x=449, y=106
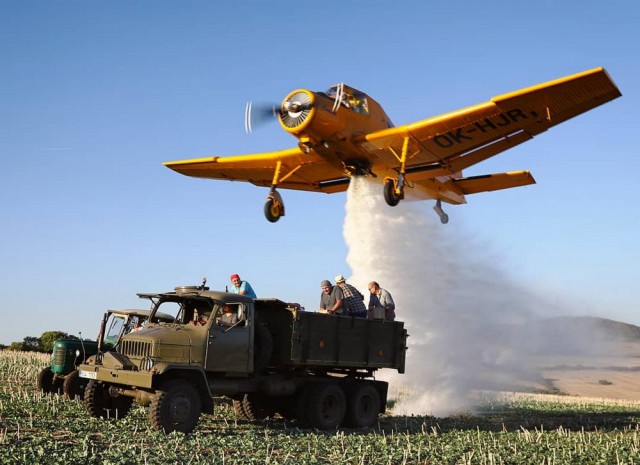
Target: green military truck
x=62, y=374
x=266, y=355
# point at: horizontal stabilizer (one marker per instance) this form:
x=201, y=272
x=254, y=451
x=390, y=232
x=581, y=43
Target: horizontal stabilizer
x=494, y=182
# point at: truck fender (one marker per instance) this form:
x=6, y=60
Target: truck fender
x=164, y=372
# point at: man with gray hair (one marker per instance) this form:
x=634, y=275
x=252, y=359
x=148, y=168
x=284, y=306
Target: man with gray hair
x=381, y=304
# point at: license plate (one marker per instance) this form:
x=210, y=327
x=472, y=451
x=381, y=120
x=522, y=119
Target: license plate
x=88, y=374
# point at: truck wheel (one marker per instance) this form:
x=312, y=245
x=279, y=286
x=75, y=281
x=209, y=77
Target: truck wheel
x=327, y=406
x=74, y=385
x=175, y=407
x=363, y=405
x=45, y=381
x=263, y=348
x=100, y=404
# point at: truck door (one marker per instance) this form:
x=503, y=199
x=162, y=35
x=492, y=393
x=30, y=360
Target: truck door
x=229, y=339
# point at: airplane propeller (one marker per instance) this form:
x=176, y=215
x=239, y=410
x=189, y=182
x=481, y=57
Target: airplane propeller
x=293, y=110
x=338, y=98
x=258, y=115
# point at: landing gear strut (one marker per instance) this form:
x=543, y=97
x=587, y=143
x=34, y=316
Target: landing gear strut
x=274, y=207
x=394, y=188
x=444, y=218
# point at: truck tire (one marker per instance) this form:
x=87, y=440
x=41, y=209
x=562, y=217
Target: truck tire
x=363, y=405
x=45, y=381
x=263, y=348
x=100, y=404
x=327, y=406
x=74, y=385
x=175, y=407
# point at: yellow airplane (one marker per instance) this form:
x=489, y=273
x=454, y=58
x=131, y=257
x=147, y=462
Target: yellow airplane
x=343, y=133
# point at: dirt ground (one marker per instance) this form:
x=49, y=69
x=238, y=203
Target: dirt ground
x=613, y=377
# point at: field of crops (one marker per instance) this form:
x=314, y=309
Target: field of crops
x=513, y=429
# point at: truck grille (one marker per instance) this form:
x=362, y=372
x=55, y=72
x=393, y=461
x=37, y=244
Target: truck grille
x=58, y=356
x=136, y=349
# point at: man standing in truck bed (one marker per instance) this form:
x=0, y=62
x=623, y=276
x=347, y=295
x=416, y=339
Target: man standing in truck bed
x=353, y=298
x=330, y=299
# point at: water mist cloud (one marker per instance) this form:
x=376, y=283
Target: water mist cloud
x=466, y=317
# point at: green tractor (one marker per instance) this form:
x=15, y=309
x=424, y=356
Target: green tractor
x=62, y=374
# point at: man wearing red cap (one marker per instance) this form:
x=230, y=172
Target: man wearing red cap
x=241, y=287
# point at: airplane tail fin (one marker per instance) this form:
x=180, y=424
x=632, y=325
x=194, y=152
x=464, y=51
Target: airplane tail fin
x=494, y=182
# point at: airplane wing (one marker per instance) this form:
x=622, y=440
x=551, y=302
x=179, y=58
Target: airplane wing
x=494, y=182
x=298, y=170
x=453, y=141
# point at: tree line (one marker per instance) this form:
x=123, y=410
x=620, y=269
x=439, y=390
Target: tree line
x=44, y=343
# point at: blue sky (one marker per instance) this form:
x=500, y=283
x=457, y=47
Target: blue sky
x=94, y=96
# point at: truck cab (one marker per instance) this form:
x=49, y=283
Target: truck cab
x=198, y=335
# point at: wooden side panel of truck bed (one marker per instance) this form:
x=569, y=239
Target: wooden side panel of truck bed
x=307, y=339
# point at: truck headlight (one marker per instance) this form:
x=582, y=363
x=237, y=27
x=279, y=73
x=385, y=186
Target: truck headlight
x=147, y=364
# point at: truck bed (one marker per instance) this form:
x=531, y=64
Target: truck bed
x=316, y=340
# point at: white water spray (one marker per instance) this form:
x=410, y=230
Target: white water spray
x=460, y=310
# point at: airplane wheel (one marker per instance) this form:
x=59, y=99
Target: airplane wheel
x=444, y=219
x=272, y=211
x=390, y=195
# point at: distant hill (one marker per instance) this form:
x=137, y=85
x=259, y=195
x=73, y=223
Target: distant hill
x=613, y=329
x=581, y=335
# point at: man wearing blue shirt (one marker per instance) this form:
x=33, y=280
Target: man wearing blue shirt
x=241, y=287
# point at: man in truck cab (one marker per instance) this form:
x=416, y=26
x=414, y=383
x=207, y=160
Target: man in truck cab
x=199, y=319
x=229, y=316
x=197, y=313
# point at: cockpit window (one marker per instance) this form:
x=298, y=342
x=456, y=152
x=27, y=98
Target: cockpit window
x=350, y=98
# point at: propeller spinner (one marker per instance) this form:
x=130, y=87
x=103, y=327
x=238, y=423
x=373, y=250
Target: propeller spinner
x=294, y=110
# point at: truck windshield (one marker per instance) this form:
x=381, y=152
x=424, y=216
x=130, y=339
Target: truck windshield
x=114, y=329
x=173, y=308
x=191, y=310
